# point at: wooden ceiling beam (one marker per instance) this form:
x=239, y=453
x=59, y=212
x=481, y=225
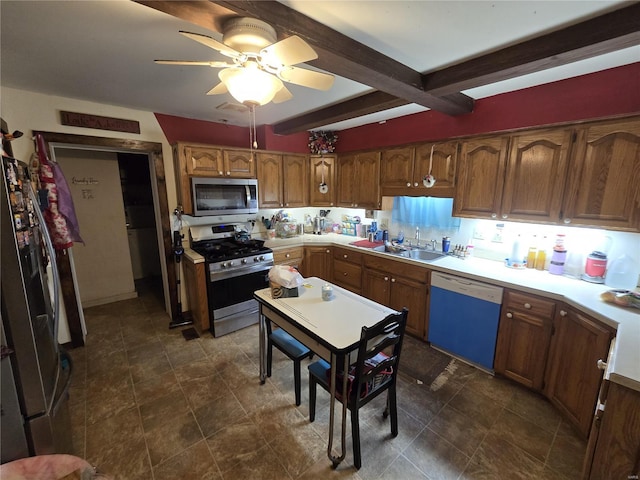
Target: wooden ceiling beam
x=604, y=34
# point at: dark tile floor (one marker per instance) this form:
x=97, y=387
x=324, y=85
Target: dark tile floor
x=147, y=404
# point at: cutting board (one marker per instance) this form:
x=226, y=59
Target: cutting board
x=366, y=244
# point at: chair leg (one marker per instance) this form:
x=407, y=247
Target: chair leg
x=312, y=398
x=269, y=358
x=296, y=380
x=393, y=406
x=355, y=436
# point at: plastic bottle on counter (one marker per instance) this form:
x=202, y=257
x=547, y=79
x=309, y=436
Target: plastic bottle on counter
x=401, y=236
x=559, y=256
x=541, y=255
x=531, y=254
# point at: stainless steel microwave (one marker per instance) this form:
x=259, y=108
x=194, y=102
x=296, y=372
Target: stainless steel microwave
x=224, y=196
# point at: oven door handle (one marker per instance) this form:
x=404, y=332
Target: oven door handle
x=248, y=195
x=223, y=275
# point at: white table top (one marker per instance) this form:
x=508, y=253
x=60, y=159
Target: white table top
x=338, y=322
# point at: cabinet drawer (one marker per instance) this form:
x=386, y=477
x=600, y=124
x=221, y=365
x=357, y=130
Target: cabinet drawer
x=347, y=275
x=397, y=267
x=288, y=255
x=347, y=255
x=531, y=304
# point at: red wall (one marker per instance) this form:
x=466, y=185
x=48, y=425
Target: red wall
x=603, y=94
x=607, y=93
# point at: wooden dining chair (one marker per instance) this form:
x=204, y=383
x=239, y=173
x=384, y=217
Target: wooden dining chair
x=292, y=348
x=374, y=372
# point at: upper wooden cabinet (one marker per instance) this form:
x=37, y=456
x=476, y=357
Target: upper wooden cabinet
x=482, y=165
x=323, y=169
x=282, y=180
x=359, y=180
x=604, y=176
x=402, y=170
x=195, y=160
x=535, y=176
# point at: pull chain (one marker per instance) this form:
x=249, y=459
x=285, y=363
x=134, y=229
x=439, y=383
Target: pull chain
x=253, y=138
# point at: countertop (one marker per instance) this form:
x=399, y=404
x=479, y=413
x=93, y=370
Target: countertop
x=624, y=365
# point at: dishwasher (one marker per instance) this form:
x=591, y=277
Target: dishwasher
x=463, y=318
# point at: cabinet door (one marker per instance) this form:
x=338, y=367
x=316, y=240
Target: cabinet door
x=604, y=177
x=367, y=180
x=323, y=168
x=347, y=194
x=239, y=164
x=413, y=295
x=295, y=190
x=536, y=174
x=572, y=375
x=348, y=275
x=396, y=171
x=290, y=256
x=482, y=166
x=524, y=336
x=270, y=180
x=195, y=280
x=317, y=262
x=376, y=286
x=443, y=168
x=203, y=161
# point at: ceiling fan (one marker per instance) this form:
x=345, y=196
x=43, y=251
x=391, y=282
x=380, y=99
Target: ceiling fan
x=258, y=64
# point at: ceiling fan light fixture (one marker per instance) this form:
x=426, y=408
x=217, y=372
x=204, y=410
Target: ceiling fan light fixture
x=250, y=86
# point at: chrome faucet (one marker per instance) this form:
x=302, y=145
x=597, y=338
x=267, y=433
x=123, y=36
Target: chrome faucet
x=432, y=244
x=417, y=236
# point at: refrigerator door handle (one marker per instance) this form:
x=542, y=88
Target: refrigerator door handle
x=54, y=266
x=61, y=398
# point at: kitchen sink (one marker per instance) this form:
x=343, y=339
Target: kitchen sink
x=424, y=255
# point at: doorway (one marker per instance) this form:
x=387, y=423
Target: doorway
x=152, y=154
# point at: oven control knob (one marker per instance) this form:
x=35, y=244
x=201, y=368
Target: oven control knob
x=256, y=259
x=261, y=258
x=231, y=263
x=223, y=265
x=244, y=260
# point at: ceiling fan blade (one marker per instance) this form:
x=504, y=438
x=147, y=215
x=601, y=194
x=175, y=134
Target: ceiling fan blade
x=290, y=51
x=211, y=43
x=282, y=95
x=190, y=62
x=218, y=89
x=306, y=78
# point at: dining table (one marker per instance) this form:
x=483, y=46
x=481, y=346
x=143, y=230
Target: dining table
x=331, y=328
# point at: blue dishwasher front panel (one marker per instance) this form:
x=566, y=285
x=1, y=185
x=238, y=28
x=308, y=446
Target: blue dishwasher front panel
x=464, y=326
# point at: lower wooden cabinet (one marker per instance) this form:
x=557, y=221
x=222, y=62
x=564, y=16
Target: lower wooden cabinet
x=293, y=256
x=524, y=336
x=572, y=375
x=347, y=269
x=614, y=443
x=317, y=262
x=397, y=285
x=195, y=281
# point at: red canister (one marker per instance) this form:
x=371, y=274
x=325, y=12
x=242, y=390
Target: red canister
x=596, y=264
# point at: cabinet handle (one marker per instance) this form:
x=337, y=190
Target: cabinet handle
x=332, y=204
x=601, y=365
x=286, y=204
x=228, y=174
x=345, y=256
x=505, y=216
x=527, y=306
x=563, y=313
x=415, y=184
x=328, y=251
x=287, y=255
x=494, y=215
x=220, y=172
x=393, y=280
x=567, y=220
x=344, y=274
x=509, y=315
x=408, y=184
x=355, y=204
x=386, y=279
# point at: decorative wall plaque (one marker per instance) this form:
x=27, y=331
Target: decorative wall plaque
x=96, y=121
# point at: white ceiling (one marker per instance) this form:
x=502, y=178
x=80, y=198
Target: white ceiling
x=103, y=51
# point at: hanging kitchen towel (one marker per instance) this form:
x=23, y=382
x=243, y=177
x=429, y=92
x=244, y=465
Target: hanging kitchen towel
x=60, y=214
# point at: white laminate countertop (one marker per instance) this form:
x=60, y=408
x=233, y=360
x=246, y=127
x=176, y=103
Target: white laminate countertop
x=582, y=295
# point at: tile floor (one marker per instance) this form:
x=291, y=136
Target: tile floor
x=147, y=404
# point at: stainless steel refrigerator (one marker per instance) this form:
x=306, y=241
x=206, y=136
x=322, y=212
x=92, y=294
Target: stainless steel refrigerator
x=35, y=370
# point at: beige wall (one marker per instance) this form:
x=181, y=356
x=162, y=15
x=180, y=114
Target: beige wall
x=103, y=263
x=27, y=111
